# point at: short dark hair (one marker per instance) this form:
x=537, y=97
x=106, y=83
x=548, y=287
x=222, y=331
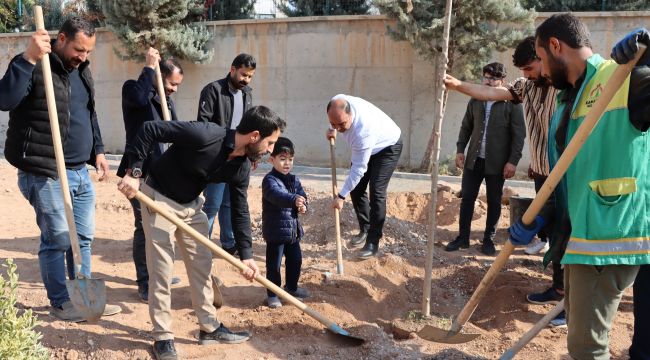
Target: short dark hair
x=262, y=119
x=345, y=107
x=244, y=60
x=167, y=67
x=495, y=69
x=283, y=146
x=525, y=52
x=77, y=24
x=565, y=27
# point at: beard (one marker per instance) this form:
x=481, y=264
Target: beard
x=254, y=152
x=559, y=78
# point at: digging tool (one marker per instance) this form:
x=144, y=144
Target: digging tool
x=87, y=295
x=337, y=213
x=331, y=326
x=581, y=135
x=530, y=334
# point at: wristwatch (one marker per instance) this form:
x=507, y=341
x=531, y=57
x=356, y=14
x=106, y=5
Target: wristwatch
x=340, y=196
x=136, y=173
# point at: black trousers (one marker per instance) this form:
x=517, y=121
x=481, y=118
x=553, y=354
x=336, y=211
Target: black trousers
x=292, y=264
x=640, y=349
x=558, y=272
x=371, y=212
x=471, y=183
x=539, y=181
x=139, y=254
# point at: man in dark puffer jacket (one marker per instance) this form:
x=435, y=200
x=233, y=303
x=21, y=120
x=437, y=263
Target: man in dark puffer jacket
x=283, y=198
x=29, y=148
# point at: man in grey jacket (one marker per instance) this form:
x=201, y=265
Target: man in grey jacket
x=495, y=132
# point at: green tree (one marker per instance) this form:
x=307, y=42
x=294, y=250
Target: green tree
x=229, y=9
x=478, y=27
x=19, y=340
x=165, y=24
x=293, y=8
x=586, y=5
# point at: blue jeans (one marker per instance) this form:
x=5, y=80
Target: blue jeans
x=217, y=200
x=44, y=194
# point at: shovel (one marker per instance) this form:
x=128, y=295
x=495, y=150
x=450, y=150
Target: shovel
x=337, y=215
x=530, y=334
x=87, y=295
x=452, y=335
x=331, y=326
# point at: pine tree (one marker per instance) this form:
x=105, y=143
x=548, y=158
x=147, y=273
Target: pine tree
x=477, y=29
x=586, y=5
x=229, y=9
x=293, y=8
x=164, y=24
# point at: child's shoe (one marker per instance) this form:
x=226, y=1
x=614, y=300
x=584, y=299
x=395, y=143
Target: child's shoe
x=273, y=302
x=301, y=293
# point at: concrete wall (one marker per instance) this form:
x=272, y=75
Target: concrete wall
x=302, y=62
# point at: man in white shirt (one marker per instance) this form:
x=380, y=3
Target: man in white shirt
x=374, y=139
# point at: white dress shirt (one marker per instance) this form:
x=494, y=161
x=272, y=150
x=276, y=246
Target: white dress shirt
x=371, y=132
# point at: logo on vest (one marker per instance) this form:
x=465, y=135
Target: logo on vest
x=594, y=95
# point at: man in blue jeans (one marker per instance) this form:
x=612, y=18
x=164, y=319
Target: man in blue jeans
x=29, y=147
x=141, y=103
x=224, y=102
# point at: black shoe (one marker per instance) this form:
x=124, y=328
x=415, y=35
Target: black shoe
x=367, y=251
x=457, y=244
x=143, y=292
x=232, y=251
x=223, y=336
x=488, y=248
x=359, y=238
x=164, y=350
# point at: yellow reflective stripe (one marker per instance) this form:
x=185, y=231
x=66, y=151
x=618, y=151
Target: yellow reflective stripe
x=582, y=240
x=613, y=187
x=640, y=252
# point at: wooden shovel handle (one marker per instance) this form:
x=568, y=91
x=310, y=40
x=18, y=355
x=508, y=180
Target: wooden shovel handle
x=337, y=216
x=148, y=202
x=160, y=85
x=58, y=148
x=581, y=135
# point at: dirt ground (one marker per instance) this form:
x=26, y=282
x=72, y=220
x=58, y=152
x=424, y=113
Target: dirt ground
x=364, y=301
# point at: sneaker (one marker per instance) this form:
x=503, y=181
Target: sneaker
x=223, y=336
x=273, y=302
x=457, y=244
x=488, y=248
x=66, y=312
x=559, y=321
x=143, y=292
x=176, y=280
x=111, y=310
x=301, y=293
x=232, y=251
x=164, y=350
x=537, y=247
x=550, y=296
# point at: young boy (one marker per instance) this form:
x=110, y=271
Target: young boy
x=283, y=199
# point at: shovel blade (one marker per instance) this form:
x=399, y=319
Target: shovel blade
x=218, y=297
x=435, y=334
x=88, y=296
x=345, y=336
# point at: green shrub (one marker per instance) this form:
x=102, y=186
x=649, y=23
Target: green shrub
x=19, y=340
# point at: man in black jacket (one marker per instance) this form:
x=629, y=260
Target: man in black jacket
x=29, y=148
x=223, y=102
x=200, y=153
x=493, y=133
x=141, y=102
